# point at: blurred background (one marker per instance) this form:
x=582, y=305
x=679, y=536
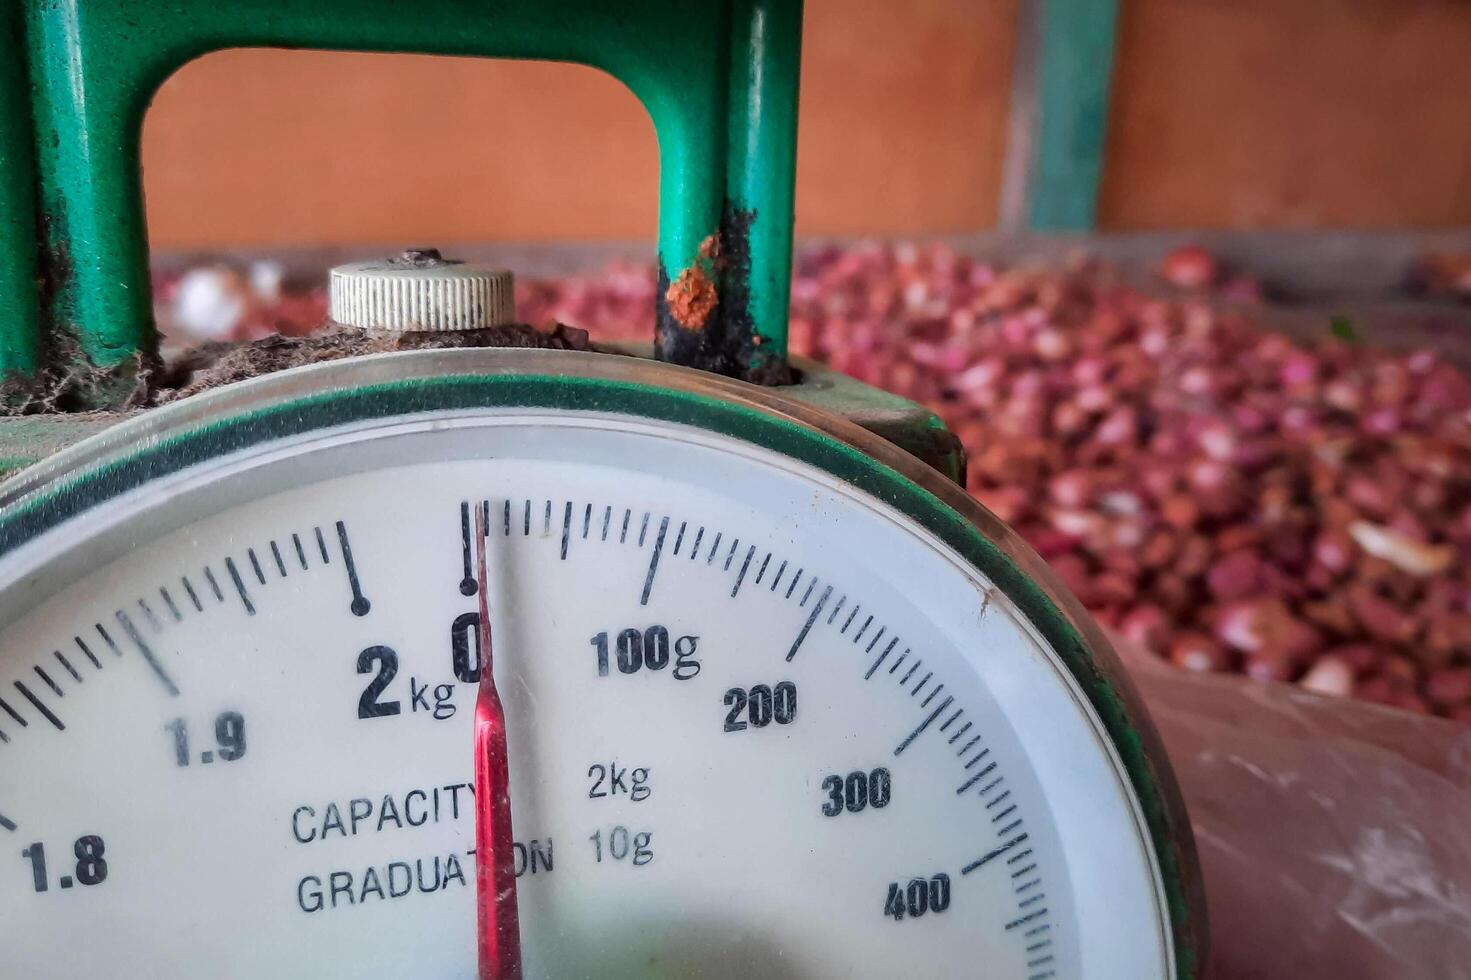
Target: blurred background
x=1188, y=277
x=1223, y=114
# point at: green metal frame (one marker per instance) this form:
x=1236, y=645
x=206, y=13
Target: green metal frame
x=26, y=440
x=718, y=78
x=20, y=306
x=858, y=458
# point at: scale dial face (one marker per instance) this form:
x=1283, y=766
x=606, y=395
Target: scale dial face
x=761, y=722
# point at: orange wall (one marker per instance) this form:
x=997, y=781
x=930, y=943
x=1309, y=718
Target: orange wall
x=1228, y=113
x=260, y=147
x=1291, y=113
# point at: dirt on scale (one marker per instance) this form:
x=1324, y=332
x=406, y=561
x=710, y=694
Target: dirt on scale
x=214, y=364
x=217, y=363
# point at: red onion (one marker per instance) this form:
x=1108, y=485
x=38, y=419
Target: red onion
x=1189, y=267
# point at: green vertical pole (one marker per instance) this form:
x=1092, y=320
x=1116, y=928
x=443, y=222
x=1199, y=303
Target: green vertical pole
x=766, y=56
x=99, y=316
x=1074, y=74
x=727, y=310
x=20, y=308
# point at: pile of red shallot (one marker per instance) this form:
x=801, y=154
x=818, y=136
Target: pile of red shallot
x=1225, y=497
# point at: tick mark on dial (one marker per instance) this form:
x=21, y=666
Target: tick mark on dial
x=566, y=527
x=923, y=725
x=206, y=757
x=976, y=778
x=147, y=611
x=993, y=854
x=48, y=681
x=168, y=601
x=979, y=756
x=67, y=664
x=193, y=596
x=875, y=641
x=147, y=652
x=887, y=650
x=4, y=705
x=745, y=567
x=6, y=822
x=88, y=651
x=39, y=706
x=779, y=573
x=260, y=576
x=654, y=561
x=467, y=580
x=107, y=638
x=214, y=584
x=360, y=604
x=239, y=585
x=811, y=618
x=1026, y=918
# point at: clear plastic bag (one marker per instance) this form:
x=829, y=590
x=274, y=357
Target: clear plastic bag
x=1334, y=835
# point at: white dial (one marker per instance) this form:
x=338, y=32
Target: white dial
x=760, y=723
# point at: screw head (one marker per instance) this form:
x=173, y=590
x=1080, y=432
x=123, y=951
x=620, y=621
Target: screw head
x=420, y=291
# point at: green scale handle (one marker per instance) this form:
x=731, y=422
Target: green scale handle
x=718, y=78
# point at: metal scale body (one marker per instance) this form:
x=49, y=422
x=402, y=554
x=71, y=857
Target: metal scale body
x=755, y=537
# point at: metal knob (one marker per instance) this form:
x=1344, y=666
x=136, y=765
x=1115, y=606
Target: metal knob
x=420, y=291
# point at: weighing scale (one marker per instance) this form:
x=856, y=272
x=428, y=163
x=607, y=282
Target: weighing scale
x=505, y=662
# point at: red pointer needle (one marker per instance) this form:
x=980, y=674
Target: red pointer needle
x=495, y=867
